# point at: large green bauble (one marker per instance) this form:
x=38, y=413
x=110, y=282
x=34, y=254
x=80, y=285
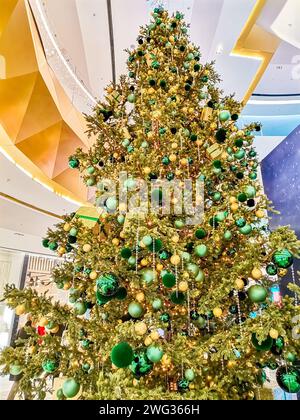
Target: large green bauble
x=288, y=378
x=121, y=355
x=200, y=276
x=178, y=298
x=283, y=258
x=257, y=294
x=189, y=375
x=240, y=154
x=70, y=388
x=264, y=346
x=201, y=251
x=102, y=300
x=111, y=203
x=224, y=116
x=200, y=233
x=80, y=308
x=193, y=269
x=179, y=224
x=50, y=366
x=169, y=280
x=135, y=309
x=126, y=253
x=154, y=354
x=147, y=240
x=107, y=284
x=15, y=369
x=246, y=230
x=140, y=364
x=227, y=235
x=45, y=243
x=53, y=246
x=157, y=304
x=148, y=275
x=250, y=191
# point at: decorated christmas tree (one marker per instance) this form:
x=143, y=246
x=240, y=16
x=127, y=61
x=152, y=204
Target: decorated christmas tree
x=164, y=302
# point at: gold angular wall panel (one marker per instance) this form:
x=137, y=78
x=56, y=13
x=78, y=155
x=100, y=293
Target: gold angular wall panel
x=39, y=126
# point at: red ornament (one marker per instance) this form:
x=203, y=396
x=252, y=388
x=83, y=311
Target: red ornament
x=41, y=331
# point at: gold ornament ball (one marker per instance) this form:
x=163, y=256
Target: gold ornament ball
x=185, y=275
x=87, y=248
x=274, y=333
x=260, y=214
x=61, y=250
x=232, y=200
x=148, y=341
x=144, y=262
x=54, y=330
x=231, y=364
x=234, y=207
x=172, y=158
x=174, y=146
x=20, y=310
x=74, y=364
x=140, y=297
x=159, y=267
x=146, y=170
x=140, y=328
x=175, y=259
x=183, y=286
x=67, y=227
x=256, y=274
x=178, y=172
x=166, y=360
x=218, y=312
x=182, y=310
x=116, y=241
x=43, y=322
x=175, y=239
x=282, y=272
x=154, y=335
x=67, y=286
x=239, y=284
x=93, y=275
x=122, y=235
x=184, y=162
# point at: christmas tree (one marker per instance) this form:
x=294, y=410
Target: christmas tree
x=164, y=303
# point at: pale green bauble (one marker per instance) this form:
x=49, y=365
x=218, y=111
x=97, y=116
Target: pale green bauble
x=157, y=304
x=189, y=375
x=111, y=203
x=131, y=260
x=201, y=251
x=246, y=230
x=186, y=256
x=154, y=354
x=228, y=235
x=131, y=98
x=15, y=369
x=135, y=309
x=147, y=240
x=70, y=388
x=121, y=219
x=224, y=116
x=73, y=232
x=200, y=276
x=148, y=276
x=250, y=191
x=193, y=269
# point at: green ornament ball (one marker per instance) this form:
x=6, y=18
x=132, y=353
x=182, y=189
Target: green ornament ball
x=227, y=235
x=224, y=116
x=288, y=378
x=131, y=98
x=111, y=203
x=91, y=182
x=132, y=261
x=140, y=365
x=50, y=366
x=45, y=243
x=169, y=280
x=107, y=284
x=90, y=170
x=60, y=394
x=80, y=308
x=178, y=298
x=53, y=246
x=201, y=251
x=240, y=154
x=263, y=346
x=242, y=198
x=121, y=293
x=201, y=322
x=126, y=253
x=73, y=163
x=154, y=354
x=121, y=355
x=200, y=233
x=200, y=276
x=102, y=300
x=189, y=375
x=121, y=219
x=15, y=369
x=135, y=310
x=70, y=388
x=246, y=230
x=271, y=269
x=193, y=269
x=291, y=357
x=157, y=304
x=179, y=224
x=148, y=276
x=73, y=232
x=283, y=258
x=250, y=191
x=147, y=240
x=183, y=385
x=257, y=294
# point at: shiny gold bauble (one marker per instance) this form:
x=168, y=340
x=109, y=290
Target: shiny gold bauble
x=140, y=328
x=274, y=333
x=175, y=239
x=148, y=341
x=232, y=200
x=175, y=259
x=55, y=330
x=171, y=38
x=178, y=172
x=239, y=284
x=174, y=146
x=185, y=275
x=166, y=360
x=218, y=312
x=115, y=241
x=20, y=310
x=67, y=286
x=146, y=170
x=183, y=286
x=61, y=250
x=213, y=126
x=182, y=310
x=151, y=91
x=93, y=275
x=172, y=158
x=122, y=235
x=140, y=297
x=282, y=272
x=154, y=335
x=234, y=207
x=159, y=267
x=43, y=322
x=231, y=364
x=87, y=248
x=256, y=274
x=184, y=162
x=260, y=214
x=75, y=364
x=116, y=155
x=144, y=262
x=67, y=227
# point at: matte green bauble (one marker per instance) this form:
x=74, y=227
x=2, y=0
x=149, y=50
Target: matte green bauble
x=169, y=280
x=250, y=191
x=156, y=246
x=240, y=154
x=291, y=357
x=178, y=298
x=186, y=256
x=132, y=261
x=73, y=231
x=224, y=116
x=189, y=375
x=271, y=269
x=102, y=300
x=264, y=346
x=288, y=378
x=166, y=160
x=246, y=230
x=179, y=224
x=90, y=170
x=140, y=365
x=135, y=309
x=15, y=369
x=154, y=354
x=148, y=275
x=111, y=203
x=239, y=142
x=283, y=258
x=145, y=145
x=200, y=276
x=257, y=294
x=193, y=269
x=50, y=366
x=227, y=235
x=126, y=253
x=183, y=385
x=70, y=388
x=80, y=308
x=242, y=198
x=107, y=284
x=121, y=355
x=60, y=394
x=131, y=98
x=201, y=251
x=73, y=163
x=91, y=182
x=125, y=142
x=221, y=216
x=157, y=304
x=53, y=246
x=45, y=243
x=121, y=293
x=121, y=219
x=216, y=196
x=147, y=240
